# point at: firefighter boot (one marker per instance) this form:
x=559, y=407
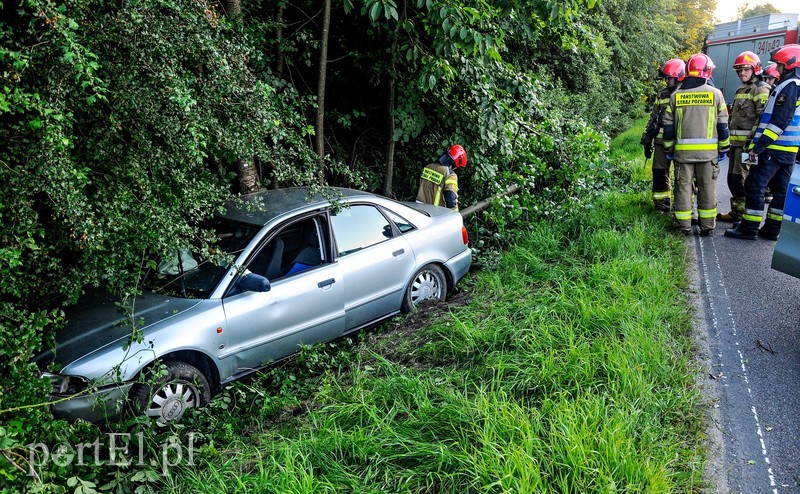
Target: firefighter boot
x=735, y=214
x=770, y=230
x=746, y=230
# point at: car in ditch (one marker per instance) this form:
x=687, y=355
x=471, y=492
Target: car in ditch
x=301, y=269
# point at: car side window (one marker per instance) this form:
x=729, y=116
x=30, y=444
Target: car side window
x=401, y=223
x=297, y=247
x=359, y=227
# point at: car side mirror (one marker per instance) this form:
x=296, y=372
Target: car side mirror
x=252, y=282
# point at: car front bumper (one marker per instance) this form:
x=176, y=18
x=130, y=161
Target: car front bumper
x=459, y=265
x=98, y=406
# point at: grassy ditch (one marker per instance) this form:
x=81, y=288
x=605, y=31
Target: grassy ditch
x=565, y=368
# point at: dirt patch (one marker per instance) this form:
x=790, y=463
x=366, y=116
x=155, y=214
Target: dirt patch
x=401, y=339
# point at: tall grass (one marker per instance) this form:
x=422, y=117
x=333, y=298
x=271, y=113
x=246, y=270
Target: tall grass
x=569, y=371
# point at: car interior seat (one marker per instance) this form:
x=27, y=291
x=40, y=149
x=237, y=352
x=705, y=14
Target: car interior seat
x=308, y=256
x=275, y=259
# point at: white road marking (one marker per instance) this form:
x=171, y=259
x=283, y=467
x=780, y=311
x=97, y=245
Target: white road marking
x=708, y=262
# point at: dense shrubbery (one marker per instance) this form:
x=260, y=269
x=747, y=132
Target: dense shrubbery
x=124, y=124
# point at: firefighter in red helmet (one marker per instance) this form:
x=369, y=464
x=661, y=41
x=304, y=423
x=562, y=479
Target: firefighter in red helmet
x=771, y=75
x=696, y=135
x=438, y=184
x=748, y=103
x=775, y=146
x=673, y=72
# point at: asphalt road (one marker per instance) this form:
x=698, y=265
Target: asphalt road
x=751, y=316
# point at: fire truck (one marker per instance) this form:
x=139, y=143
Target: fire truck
x=760, y=34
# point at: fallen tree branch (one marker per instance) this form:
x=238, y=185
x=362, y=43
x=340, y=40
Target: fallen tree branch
x=475, y=208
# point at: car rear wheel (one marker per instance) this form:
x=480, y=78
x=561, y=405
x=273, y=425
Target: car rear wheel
x=166, y=398
x=428, y=283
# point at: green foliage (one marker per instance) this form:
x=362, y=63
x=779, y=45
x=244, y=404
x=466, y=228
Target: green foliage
x=123, y=126
x=568, y=371
x=745, y=11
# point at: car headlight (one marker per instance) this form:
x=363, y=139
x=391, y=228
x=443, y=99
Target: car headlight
x=65, y=385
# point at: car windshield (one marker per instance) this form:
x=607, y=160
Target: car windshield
x=189, y=274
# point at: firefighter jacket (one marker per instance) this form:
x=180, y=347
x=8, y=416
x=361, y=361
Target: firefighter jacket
x=696, y=122
x=748, y=103
x=654, y=130
x=779, y=128
x=437, y=182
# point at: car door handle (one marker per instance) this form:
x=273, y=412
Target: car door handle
x=796, y=190
x=323, y=284
x=399, y=253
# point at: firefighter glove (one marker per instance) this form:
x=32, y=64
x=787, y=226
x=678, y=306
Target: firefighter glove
x=670, y=156
x=722, y=156
x=648, y=151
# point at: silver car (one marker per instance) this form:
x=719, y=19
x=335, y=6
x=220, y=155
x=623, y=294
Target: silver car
x=303, y=271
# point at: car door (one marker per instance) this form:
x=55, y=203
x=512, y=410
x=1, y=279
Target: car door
x=786, y=257
x=305, y=303
x=376, y=262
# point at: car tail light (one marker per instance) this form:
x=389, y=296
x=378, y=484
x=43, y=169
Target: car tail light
x=464, y=235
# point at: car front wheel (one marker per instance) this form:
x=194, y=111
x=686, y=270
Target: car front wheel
x=428, y=283
x=167, y=397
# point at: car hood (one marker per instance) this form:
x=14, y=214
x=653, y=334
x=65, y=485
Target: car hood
x=97, y=320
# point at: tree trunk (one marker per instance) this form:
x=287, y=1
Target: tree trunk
x=279, y=41
x=233, y=8
x=323, y=67
x=248, y=176
x=246, y=170
x=388, y=176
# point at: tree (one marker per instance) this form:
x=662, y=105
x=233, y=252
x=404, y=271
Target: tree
x=746, y=11
x=322, y=72
x=695, y=21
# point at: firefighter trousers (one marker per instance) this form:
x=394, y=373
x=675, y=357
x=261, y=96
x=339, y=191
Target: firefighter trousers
x=661, y=182
x=767, y=173
x=737, y=174
x=704, y=175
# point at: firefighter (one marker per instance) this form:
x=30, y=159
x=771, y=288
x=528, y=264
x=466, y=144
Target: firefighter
x=771, y=75
x=696, y=136
x=748, y=103
x=775, y=146
x=673, y=72
x=439, y=182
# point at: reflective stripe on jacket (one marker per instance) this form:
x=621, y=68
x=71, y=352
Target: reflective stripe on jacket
x=696, y=124
x=748, y=103
x=779, y=128
x=434, y=181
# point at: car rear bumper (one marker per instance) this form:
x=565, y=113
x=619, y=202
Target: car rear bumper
x=459, y=265
x=100, y=406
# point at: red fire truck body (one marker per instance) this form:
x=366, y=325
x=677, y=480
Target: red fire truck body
x=760, y=34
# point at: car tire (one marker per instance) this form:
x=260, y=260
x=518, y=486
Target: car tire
x=428, y=283
x=169, y=396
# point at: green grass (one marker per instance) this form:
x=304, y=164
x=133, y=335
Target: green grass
x=569, y=371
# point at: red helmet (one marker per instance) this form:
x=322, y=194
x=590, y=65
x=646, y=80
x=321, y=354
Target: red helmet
x=458, y=155
x=748, y=59
x=788, y=55
x=771, y=70
x=674, y=68
x=699, y=65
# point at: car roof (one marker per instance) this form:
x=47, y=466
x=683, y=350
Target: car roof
x=259, y=208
